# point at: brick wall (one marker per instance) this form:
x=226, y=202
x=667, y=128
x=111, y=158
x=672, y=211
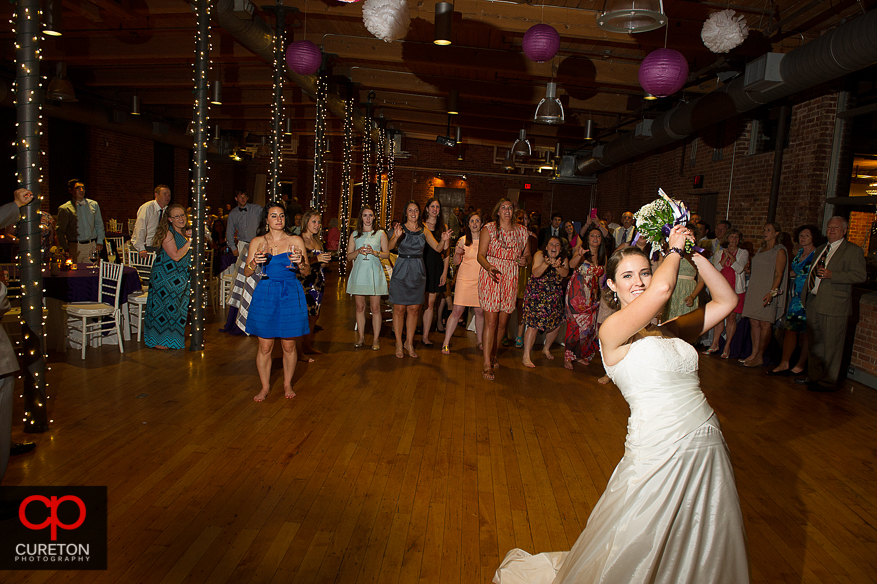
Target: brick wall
x=120, y=173
x=864, y=354
x=860, y=227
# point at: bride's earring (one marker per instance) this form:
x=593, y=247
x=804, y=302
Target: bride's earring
x=614, y=297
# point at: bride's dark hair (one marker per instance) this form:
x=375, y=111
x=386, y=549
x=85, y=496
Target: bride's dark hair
x=612, y=266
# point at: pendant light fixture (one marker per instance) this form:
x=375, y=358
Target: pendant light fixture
x=216, y=92
x=52, y=18
x=288, y=130
x=632, y=16
x=550, y=110
x=263, y=149
x=453, y=102
x=459, y=135
x=521, y=147
x=135, y=105
x=444, y=17
x=589, y=129
x=217, y=133
x=60, y=88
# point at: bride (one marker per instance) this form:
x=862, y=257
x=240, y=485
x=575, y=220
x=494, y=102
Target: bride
x=670, y=512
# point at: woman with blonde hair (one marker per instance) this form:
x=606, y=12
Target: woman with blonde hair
x=315, y=282
x=765, y=301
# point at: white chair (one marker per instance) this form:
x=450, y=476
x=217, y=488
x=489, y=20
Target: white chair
x=92, y=319
x=113, y=226
x=131, y=223
x=116, y=248
x=226, y=283
x=137, y=300
x=142, y=265
x=210, y=283
x=11, y=320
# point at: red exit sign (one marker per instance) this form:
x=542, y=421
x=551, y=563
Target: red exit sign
x=527, y=186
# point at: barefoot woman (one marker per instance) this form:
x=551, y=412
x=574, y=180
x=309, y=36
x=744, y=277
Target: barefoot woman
x=278, y=309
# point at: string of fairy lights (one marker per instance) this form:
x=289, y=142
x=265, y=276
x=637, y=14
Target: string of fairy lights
x=388, y=206
x=276, y=167
x=199, y=171
x=367, y=147
x=379, y=173
x=28, y=103
x=346, y=176
x=319, y=145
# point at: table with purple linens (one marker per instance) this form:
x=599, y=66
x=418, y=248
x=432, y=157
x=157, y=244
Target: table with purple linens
x=80, y=285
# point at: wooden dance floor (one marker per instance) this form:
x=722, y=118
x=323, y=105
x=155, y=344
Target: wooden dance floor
x=408, y=470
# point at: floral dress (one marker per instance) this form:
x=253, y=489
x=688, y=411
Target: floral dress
x=314, y=284
x=543, y=301
x=504, y=249
x=581, y=308
x=796, y=318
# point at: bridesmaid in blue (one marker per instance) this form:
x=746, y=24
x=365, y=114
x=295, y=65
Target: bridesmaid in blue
x=278, y=309
x=167, y=306
x=366, y=248
x=315, y=282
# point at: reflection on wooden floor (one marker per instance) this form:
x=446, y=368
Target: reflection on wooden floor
x=387, y=470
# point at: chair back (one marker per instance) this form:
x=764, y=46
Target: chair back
x=116, y=246
x=110, y=283
x=208, y=262
x=142, y=265
x=113, y=226
x=131, y=223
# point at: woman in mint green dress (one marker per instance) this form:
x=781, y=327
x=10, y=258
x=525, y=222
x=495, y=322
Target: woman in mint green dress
x=366, y=248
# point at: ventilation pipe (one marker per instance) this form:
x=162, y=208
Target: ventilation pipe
x=253, y=33
x=843, y=50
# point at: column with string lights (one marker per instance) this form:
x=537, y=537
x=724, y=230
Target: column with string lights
x=28, y=105
x=346, y=179
x=379, y=173
x=199, y=171
x=388, y=206
x=319, y=144
x=367, y=148
x=275, y=170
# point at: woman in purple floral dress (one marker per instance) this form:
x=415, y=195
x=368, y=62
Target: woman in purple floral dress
x=543, y=299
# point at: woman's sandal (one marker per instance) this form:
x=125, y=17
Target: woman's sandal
x=495, y=363
x=446, y=350
x=488, y=374
x=411, y=353
x=399, y=353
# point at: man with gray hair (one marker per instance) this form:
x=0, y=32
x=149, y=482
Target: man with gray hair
x=827, y=298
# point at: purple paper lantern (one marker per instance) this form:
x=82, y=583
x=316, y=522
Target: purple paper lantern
x=541, y=43
x=304, y=57
x=663, y=72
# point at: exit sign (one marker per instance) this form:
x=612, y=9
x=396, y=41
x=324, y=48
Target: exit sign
x=527, y=186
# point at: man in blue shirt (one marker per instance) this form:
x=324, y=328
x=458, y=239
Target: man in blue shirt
x=80, y=228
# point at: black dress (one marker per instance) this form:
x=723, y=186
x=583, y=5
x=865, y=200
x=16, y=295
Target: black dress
x=434, y=263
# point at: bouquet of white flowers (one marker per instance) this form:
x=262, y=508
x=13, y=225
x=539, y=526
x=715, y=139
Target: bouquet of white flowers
x=654, y=221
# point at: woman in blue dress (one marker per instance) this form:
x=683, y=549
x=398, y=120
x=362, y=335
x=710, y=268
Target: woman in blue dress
x=808, y=237
x=167, y=306
x=366, y=248
x=278, y=309
x=315, y=282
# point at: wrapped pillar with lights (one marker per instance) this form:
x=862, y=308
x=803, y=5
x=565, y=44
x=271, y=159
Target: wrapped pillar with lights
x=367, y=148
x=319, y=144
x=346, y=176
x=379, y=173
x=388, y=206
x=28, y=105
x=280, y=12
x=199, y=171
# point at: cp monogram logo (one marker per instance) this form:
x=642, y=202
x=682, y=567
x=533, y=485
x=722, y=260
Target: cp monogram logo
x=51, y=504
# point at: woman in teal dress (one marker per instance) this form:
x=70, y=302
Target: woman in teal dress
x=808, y=237
x=167, y=306
x=366, y=248
x=684, y=298
x=278, y=309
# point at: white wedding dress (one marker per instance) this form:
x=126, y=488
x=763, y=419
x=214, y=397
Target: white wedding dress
x=670, y=512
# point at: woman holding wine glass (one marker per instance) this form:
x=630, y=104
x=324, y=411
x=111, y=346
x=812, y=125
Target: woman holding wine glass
x=278, y=309
x=167, y=306
x=315, y=282
x=366, y=248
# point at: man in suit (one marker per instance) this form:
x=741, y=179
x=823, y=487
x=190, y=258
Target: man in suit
x=553, y=229
x=9, y=215
x=836, y=266
x=625, y=232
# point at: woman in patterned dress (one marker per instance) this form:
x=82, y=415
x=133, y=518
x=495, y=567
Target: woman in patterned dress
x=167, y=306
x=583, y=298
x=466, y=288
x=809, y=238
x=315, y=282
x=543, y=302
x=367, y=247
x=502, y=249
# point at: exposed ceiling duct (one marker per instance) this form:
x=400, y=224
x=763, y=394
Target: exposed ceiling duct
x=844, y=50
x=236, y=17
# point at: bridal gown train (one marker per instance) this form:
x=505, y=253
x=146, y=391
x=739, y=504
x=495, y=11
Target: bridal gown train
x=670, y=512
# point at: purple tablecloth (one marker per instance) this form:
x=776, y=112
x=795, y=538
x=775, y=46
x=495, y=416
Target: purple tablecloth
x=81, y=285
x=225, y=260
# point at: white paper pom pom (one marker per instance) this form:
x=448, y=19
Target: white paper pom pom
x=723, y=31
x=388, y=20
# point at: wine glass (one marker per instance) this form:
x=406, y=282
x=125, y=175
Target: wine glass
x=93, y=257
x=263, y=249
x=291, y=253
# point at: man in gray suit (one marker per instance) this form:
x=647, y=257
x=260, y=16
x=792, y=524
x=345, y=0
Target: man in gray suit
x=836, y=266
x=9, y=215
